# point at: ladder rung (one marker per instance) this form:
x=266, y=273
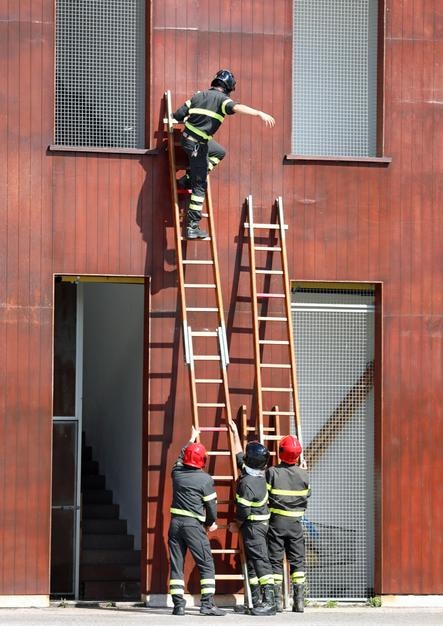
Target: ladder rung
x=211, y=404
x=269, y=429
x=204, y=333
x=218, y=453
x=209, y=380
x=250, y=428
x=274, y=342
x=270, y=295
x=276, y=272
x=270, y=226
x=268, y=248
x=223, y=477
x=278, y=412
x=207, y=357
x=197, y=262
x=272, y=437
x=272, y=319
x=283, y=366
x=288, y=389
x=225, y=551
x=229, y=577
x=199, y=285
x=203, y=309
x=211, y=429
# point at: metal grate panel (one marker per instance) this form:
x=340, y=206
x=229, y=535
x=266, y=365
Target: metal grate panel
x=335, y=77
x=100, y=73
x=334, y=344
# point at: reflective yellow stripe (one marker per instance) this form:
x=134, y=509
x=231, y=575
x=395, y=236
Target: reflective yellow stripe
x=177, y=581
x=298, y=577
x=266, y=580
x=278, y=578
x=223, y=106
x=287, y=513
x=253, y=581
x=214, y=160
x=201, y=518
x=197, y=131
x=195, y=198
x=212, y=496
x=176, y=592
x=258, y=518
x=207, y=581
x=207, y=112
x=249, y=503
x=288, y=492
x=207, y=590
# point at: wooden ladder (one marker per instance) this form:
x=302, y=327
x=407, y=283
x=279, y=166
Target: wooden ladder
x=205, y=343
x=268, y=260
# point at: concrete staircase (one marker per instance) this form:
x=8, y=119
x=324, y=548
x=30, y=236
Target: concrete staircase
x=109, y=565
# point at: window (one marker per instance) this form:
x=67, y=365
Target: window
x=100, y=73
x=334, y=337
x=335, y=100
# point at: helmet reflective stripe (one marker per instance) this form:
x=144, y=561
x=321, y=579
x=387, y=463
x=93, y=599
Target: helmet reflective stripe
x=223, y=106
x=288, y=492
x=212, y=496
x=201, y=518
x=266, y=580
x=197, y=131
x=258, y=518
x=250, y=503
x=287, y=513
x=207, y=112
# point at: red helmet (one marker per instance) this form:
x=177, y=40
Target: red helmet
x=195, y=455
x=289, y=449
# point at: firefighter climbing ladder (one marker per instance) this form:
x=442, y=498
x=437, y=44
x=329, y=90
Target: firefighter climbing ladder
x=197, y=260
x=270, y=317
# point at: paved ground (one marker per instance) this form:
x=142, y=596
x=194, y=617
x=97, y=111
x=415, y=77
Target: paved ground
x=124, y=615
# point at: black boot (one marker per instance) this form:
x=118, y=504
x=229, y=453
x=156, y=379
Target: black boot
x=207, y=606
x=179, y=605
x=268, y=605
x=299, y=598
x=255, y=597
x=278, y=592
x=193, y=231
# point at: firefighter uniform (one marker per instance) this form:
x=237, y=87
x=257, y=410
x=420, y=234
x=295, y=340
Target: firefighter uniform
x=194, y=507
x=253, y=515
x=204, y=113
x=288, y=487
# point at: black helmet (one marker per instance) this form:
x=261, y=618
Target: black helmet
x=225, y=79
x=256, y=455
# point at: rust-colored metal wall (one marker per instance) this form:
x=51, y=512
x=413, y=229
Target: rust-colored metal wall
x=107, y=213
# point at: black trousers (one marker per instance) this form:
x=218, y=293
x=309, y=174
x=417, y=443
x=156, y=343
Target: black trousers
x=188, y=533
x=202, y=156
x=254, y=539
x=285, y=536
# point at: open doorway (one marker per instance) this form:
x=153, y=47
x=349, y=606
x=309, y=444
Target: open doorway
x=97, y=465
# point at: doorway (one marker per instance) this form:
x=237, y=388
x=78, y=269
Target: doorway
x=97, y=426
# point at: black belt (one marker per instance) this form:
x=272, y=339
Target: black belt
x=191, y=138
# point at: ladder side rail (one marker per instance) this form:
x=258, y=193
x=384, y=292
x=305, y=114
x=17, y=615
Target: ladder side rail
x=291, y=346
x=187, y=338
x=254, y=305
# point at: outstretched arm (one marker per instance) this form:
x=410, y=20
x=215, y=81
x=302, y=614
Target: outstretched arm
x=237, y=443
x=245, y=110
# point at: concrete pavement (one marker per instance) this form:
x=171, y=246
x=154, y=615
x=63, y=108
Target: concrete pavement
x=131, y=615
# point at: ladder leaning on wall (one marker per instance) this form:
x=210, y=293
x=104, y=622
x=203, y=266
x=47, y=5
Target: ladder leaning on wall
x=205, y=347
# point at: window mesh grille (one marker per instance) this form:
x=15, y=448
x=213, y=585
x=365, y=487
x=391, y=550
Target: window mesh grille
x=99, y=84
x=335, y=77
x=334, y=347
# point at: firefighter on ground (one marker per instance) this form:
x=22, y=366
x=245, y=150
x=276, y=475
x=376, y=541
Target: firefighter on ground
x=203, y=114
x=253, y=521
x=193, y=514
x=288, y=487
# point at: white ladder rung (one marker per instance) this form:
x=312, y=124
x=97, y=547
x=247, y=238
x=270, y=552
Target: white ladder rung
x=288, y=389
x=197, y=262
x=275, y=272
x=209, y=380
x=211, y=404
x=278, y=412
x=274, y=342
x=204, y=333
x=203, y=309
x=224, y=551
x=272, y=319
x=283, y=366
x=272, y=437
x=199, y=285
x=207, y=357
x=268, y=248
x=270, y=226
x=218, y=453
x=223, y=477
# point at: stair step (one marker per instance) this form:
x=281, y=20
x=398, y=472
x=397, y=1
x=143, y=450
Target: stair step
x=101, y=511
x=114, y=557
x=111, y=590
x=97, y=496
x=108, y=541
x=104, y=526
x=95, y=481
x=106, y=571
x=89, y=467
